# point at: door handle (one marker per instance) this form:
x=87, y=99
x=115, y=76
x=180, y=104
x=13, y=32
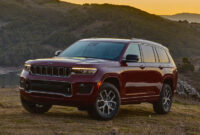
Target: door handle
x=142, y=66
x=161, y=67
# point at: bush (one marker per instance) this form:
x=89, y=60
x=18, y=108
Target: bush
x=186, y=66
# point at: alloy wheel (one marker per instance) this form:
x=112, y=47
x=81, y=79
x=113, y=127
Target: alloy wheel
x=166, y=100
x=107, y=102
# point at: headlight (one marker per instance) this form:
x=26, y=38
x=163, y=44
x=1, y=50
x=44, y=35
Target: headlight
x=27, y=67
x=80, y=70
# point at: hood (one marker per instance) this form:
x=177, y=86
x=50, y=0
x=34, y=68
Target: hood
x=76, y=61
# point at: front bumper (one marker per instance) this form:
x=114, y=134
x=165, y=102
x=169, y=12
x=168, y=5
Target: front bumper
x=76, y=98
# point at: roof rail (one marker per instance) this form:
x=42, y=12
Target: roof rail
x=149, y=42
x=134, y=38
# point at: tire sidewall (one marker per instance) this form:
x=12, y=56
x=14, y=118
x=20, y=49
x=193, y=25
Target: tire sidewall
x=108, y=86
x=32, y=108
x=165, y=86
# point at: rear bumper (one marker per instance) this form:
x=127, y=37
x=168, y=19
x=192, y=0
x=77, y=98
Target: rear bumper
x=74, y=99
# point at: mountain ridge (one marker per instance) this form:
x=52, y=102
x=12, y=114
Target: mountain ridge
x=37, y=28
x=190, y=17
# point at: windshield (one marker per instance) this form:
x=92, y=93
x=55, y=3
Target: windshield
x=94, y=49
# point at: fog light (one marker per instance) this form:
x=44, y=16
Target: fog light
x=21, y=83
x=85, y=88
x=27, y=85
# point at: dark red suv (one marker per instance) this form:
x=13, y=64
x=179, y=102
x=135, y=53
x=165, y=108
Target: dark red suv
x=99, y=75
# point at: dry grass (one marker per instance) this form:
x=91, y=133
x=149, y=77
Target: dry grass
x=184, y=119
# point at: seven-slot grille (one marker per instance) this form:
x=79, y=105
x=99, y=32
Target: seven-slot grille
x=50, y=71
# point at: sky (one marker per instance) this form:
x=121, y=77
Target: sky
x=159, y=7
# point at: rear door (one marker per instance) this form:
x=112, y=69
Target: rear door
x=153, y=76
x=164, y=66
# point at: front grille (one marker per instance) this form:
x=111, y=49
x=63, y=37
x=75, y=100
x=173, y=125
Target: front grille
x=50, y=71
x=49, y=87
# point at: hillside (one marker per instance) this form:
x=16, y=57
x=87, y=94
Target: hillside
x=184, y=119
x=36, y=28
x=190, y=17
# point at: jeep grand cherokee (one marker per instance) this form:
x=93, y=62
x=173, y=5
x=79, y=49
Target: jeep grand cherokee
x=98, y=75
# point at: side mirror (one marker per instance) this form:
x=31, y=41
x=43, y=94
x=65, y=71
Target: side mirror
x=132, y=58
x=57, y=53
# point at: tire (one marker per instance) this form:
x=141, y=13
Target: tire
x=164, y=104
x=34, y=107
x=107, y=104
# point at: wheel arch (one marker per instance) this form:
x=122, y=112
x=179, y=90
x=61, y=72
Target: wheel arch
x=113, y=79
x=169, y=81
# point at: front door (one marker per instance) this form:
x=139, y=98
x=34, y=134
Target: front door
x=133, y=74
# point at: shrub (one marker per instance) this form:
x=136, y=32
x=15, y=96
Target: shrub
x=186, y=66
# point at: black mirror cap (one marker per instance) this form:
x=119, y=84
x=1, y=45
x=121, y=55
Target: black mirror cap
x=132, y=58
x=57, y=53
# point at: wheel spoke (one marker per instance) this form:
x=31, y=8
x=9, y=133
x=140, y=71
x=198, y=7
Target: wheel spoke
x=100, y=101
x=106, y=102
x=102, y=108
x=110, y=107
x=168, y=94
x=113, y=97
x=106, y=94
x=166, y=100
x=101, y=96
x=113, y=102
x=109, y=93
x=163, y=100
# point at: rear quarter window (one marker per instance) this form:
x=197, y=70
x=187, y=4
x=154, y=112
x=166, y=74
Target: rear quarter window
x=162, y=55
x=148, y=54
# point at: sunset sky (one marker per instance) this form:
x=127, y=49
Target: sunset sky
x=160, y=7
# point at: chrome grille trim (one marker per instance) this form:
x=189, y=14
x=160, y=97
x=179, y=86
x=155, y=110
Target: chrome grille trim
x=50, y=71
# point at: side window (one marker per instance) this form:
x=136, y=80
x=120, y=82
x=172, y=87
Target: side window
x=162, y=55
x=148, y=54
x=134, y=49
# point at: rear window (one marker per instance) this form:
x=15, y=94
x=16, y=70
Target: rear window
x=162, y=55
x=148, y=54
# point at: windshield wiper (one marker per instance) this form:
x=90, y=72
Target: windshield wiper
x=90, y=57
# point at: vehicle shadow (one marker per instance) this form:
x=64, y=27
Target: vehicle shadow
x=123, y=112
x=76, y=115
